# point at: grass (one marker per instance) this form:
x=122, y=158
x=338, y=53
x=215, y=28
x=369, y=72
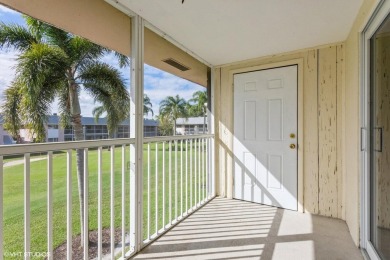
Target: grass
x=14, y=195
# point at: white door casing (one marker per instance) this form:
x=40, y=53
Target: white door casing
x=265, y=125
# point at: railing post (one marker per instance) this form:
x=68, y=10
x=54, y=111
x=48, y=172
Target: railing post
x=211, y=130
x=112, y=202
x=123, y=161
x=187, y=176
x=27, y=237
x=69, y=204
x=191, y=160
x=50, y=205
x=100, y=202
x=1, y=208
x=181, y=179
x=136, y=131
x=156, y=202
x=86, y=206
x=199, y=170
x=163, y=184
x=148, y=192
x=170, y=182
x=195, y=174
x=176, y=143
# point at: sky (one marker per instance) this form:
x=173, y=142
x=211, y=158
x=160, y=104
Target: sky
x=157, y=83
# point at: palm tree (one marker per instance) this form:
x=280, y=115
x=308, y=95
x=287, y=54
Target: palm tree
x=199, y=98
x=147, y=106
x=172, y=108
x=199, y=109
x=164, y=125
x=56, y=64
x=97, y=112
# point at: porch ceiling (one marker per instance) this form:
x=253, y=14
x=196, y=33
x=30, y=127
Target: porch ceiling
x=225, y=31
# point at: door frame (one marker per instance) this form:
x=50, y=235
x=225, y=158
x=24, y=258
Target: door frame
x=299, y=62
x=378, y=15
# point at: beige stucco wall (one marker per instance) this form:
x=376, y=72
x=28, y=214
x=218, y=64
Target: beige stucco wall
x=352, y=125
x=323, y=78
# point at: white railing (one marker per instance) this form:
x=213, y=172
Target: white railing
x=179, y=168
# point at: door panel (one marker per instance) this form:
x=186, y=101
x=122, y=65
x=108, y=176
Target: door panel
x=265, y=114
x=380, y=141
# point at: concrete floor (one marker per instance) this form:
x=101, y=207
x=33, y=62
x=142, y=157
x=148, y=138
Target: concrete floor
x=232, y=229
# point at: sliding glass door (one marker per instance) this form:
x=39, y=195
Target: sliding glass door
x=379, y=152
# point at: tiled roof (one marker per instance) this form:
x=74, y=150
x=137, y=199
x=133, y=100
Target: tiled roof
x=191, y=121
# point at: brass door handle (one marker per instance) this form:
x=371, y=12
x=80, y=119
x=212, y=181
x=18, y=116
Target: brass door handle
x=292, y=146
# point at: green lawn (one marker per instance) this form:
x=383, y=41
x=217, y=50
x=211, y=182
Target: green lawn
x=14, y=196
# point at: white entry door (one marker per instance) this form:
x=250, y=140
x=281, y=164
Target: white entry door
x=265, y=137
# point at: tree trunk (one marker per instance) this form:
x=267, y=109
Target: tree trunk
x=204, y=124
x=78, y=136
x=174, y=127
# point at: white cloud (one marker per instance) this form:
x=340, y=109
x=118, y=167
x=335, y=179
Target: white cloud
x=87, y=103
x=160, y=84
x=7, y=70
x=5, y=10
x=7, y=65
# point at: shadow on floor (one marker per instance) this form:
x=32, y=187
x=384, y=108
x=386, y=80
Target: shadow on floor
x=232, y=229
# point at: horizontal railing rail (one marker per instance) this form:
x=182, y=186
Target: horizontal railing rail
x=177, y=180
x=46, y=147
x=175, y=137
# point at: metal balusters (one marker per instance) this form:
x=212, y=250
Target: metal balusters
x=85, y=227
x=207, y=168
x=203, y=170
x=191, y=181
x=181, y=178
x=170, y=182
x=27, y=205
x=112, y=203
x=50, y=205
x=123, y=200
x=195, y=174
x=148, y=191
x=163, y=184
x=100, y=202
x=187, y=176
x=199, y=171
x=175, y=180
x=1, y=206
x=156, y=202
x=69, y=204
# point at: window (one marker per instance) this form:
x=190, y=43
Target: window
x=68, y=138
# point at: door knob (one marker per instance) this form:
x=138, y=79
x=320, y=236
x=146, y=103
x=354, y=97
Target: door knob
x=292, y=146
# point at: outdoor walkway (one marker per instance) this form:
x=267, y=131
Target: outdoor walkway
x=232, y=229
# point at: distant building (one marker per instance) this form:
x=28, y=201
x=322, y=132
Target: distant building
x=92, y=130
x=191, y=125
x=5, y=137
